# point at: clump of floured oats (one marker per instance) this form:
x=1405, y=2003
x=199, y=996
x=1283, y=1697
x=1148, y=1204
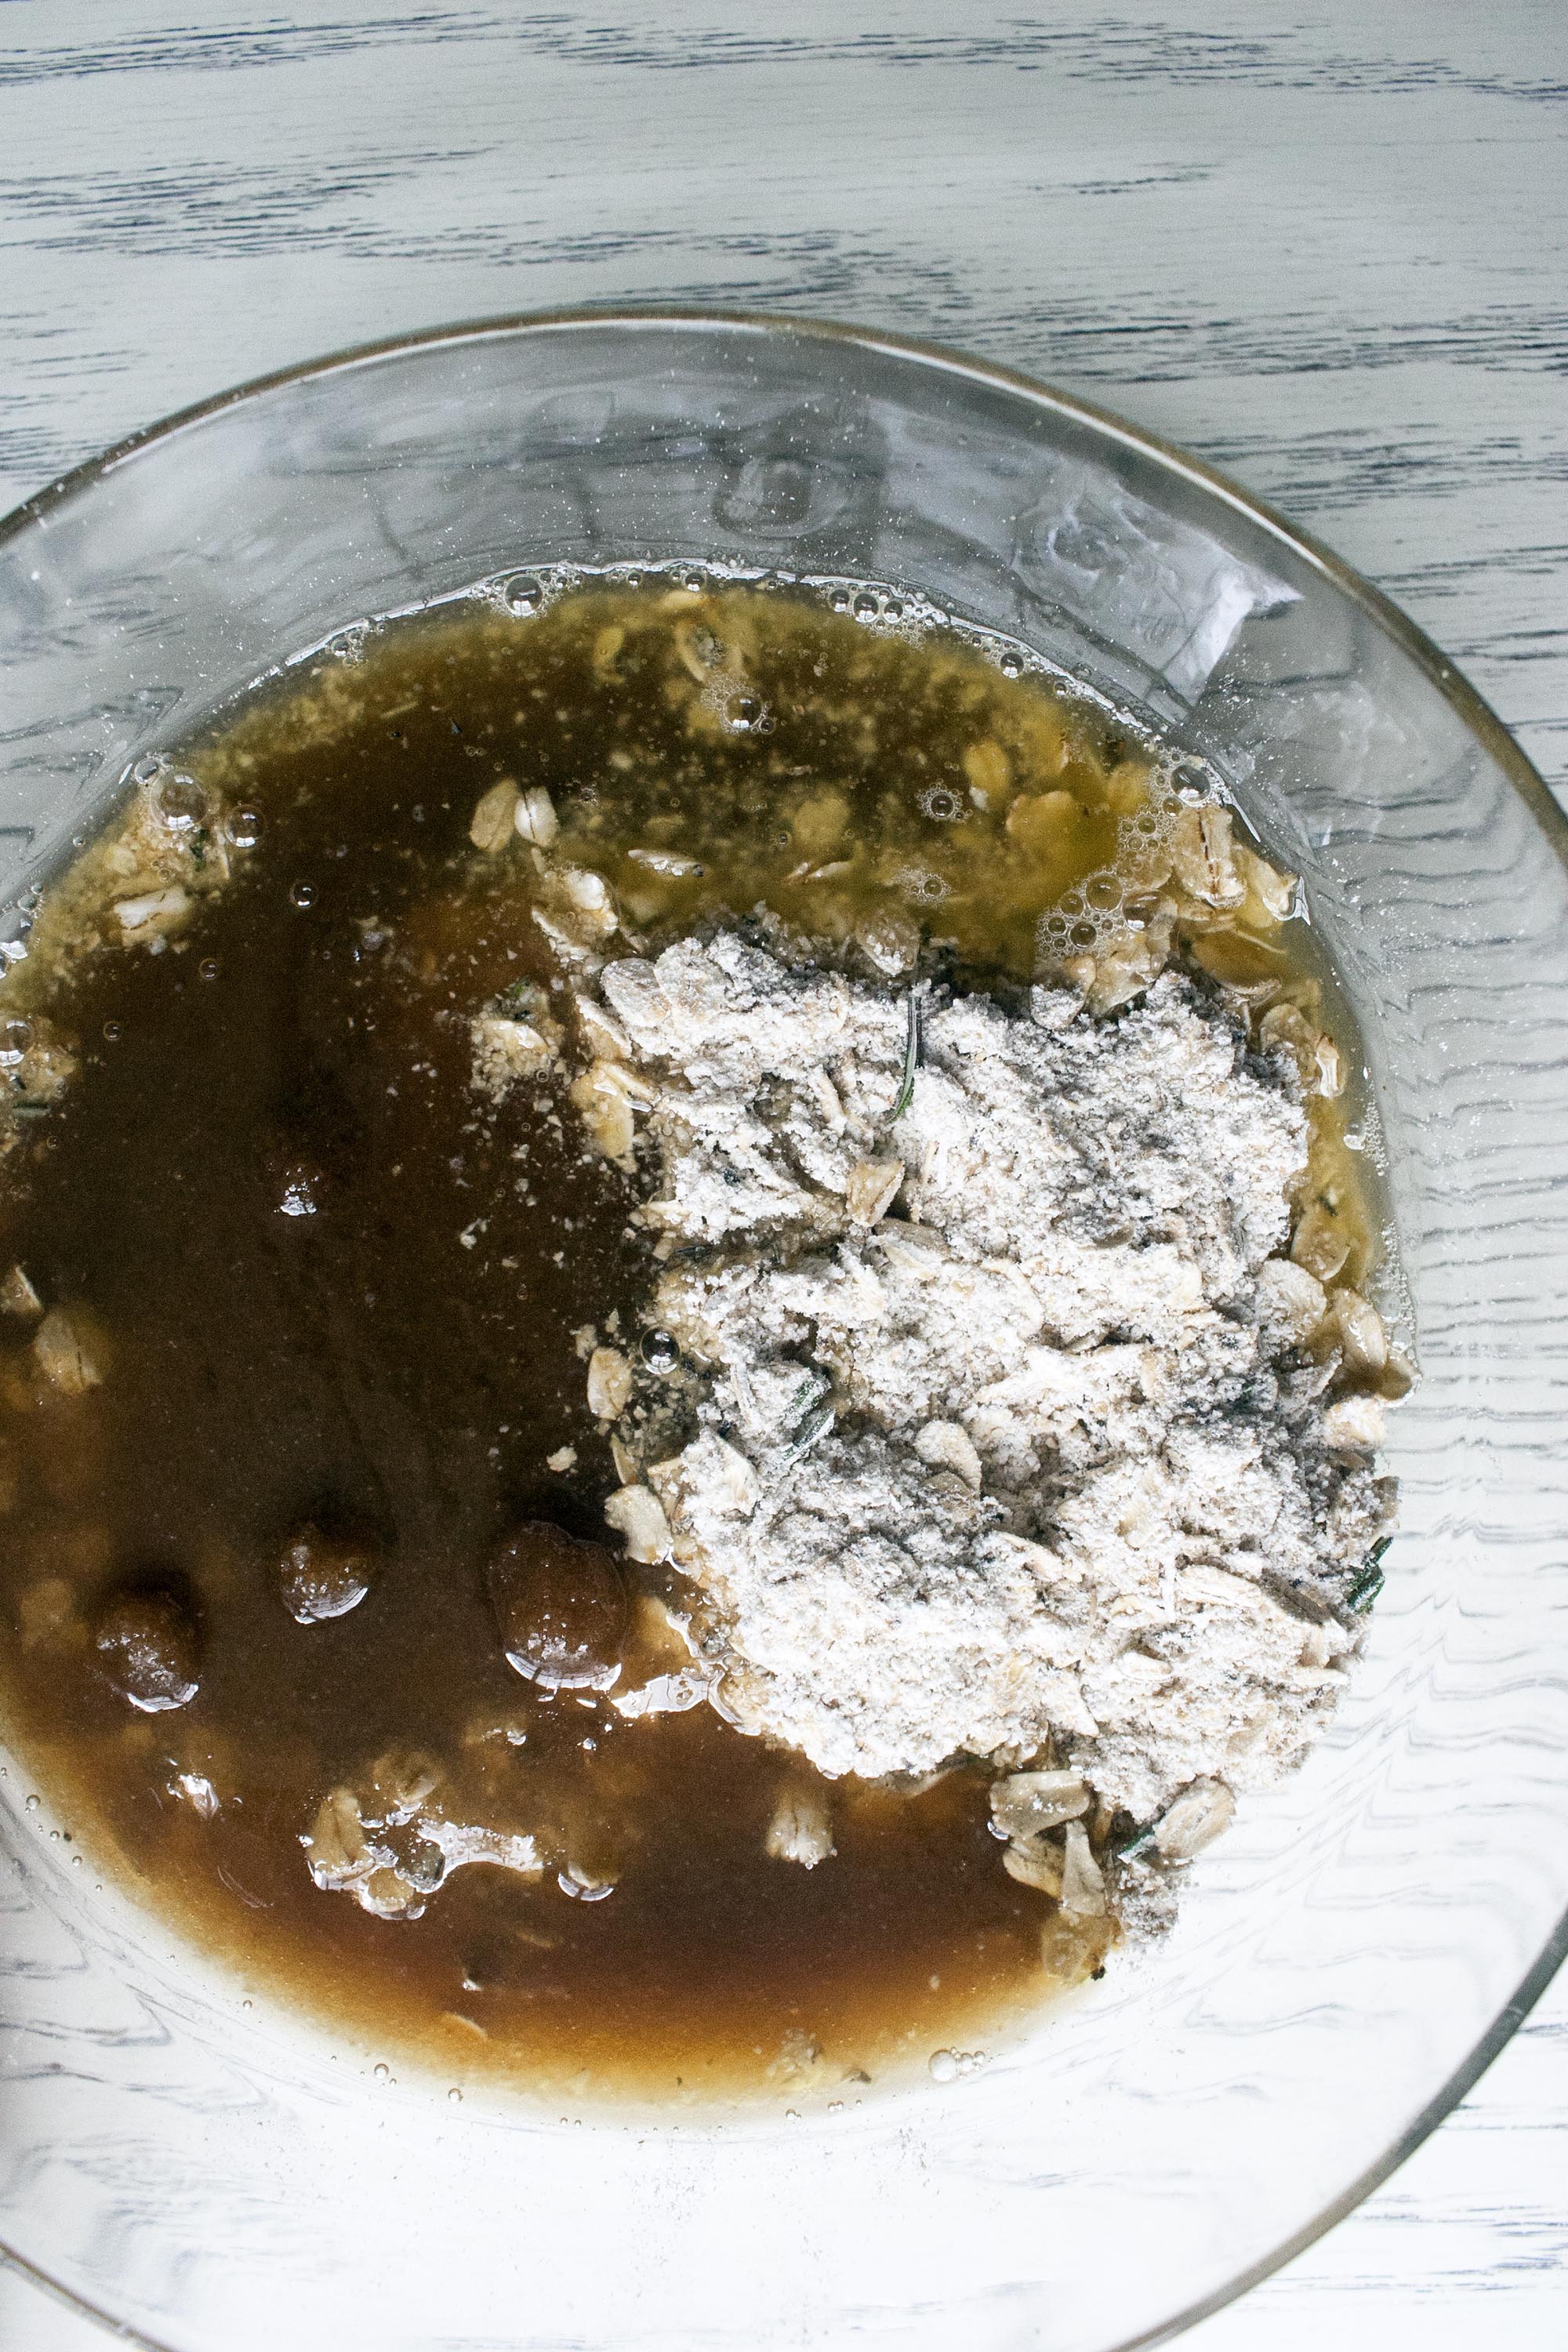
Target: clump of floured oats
x=1019, y=1434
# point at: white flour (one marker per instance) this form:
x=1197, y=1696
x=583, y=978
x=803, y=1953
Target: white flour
x=1002, y=1446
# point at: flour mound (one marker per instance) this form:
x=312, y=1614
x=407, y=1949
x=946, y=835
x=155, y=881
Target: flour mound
x=997, y=1450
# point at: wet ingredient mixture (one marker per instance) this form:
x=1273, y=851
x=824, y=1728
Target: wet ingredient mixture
x=366, y=1423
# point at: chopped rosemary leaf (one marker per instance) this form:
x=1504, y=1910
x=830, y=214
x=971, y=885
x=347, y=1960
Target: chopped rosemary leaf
x=1365, y=1589
x=815, y=1426
x=911, y=1055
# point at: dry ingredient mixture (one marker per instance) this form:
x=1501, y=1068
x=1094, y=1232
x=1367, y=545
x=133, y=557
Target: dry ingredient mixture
x=1002, y=1442
x=690, y=1380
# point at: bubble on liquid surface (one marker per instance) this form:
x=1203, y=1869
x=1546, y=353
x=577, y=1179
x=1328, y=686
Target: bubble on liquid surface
x=15, y=1039
x=560, y=1608
x=303, y=895
x=941, y=803
x=426, y=1866
x=523, y=593
x=659, y=1352
x=246, y=826
x=746, y=716
x=583, y=1885
x=180, y=803
x=950, y=2065
x=146, y=770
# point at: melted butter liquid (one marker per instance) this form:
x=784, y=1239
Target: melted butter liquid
x=402, y=1354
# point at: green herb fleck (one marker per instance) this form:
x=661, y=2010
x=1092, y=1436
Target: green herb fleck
x=806, y=1418
x=1371, y=1581
x=815, y=1426
x=912, y=1057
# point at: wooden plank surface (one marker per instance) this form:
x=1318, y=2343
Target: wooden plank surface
x=1320, y=243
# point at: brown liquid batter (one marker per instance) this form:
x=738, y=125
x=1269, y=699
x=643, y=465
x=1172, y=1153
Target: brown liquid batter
x=335, y=1301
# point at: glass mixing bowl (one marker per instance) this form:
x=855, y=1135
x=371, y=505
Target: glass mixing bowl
x=215, y=2177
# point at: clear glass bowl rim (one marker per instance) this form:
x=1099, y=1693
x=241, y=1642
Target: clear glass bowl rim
x=1473, y=712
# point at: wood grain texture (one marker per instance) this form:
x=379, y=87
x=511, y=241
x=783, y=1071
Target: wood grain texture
x=1319, y=243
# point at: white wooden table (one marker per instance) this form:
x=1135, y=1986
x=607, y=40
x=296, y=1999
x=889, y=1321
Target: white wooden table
x=1321, y=242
